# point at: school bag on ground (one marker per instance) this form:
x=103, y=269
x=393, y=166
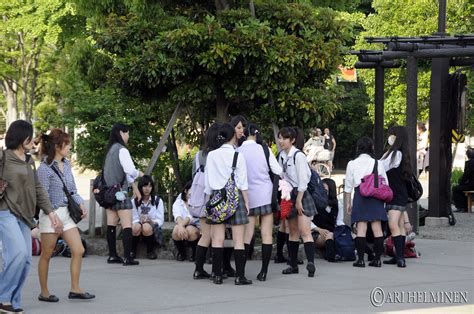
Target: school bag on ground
x=409, y=250
x=224, y=202
x=345, y=248
x=197, y=200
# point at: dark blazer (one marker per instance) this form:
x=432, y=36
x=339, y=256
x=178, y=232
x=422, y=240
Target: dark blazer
x=468, y=176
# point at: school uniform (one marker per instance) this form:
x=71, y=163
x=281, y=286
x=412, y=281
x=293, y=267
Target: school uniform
x=155, y=212
x=180, y=209
x=217, y=173
x=364, y=208
x=297, y=172
x=259, y=182
x=398, y=184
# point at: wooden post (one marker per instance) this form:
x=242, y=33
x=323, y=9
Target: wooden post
x=161, y=144
x=92, y=209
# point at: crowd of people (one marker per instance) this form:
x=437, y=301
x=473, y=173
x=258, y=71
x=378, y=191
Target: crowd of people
x=233, y=160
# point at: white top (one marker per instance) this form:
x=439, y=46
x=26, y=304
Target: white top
x=297, y=175
x=155, y=213
x=387, y=162
x=359, y=168
x=219, y=169
x=180, y=209
x=127, y=164
x=259, y=183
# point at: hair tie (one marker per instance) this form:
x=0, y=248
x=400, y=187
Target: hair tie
x=220, y=138
x=255, y=132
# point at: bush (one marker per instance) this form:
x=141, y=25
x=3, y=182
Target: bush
x=456, y=175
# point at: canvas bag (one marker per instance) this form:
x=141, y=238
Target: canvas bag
x=224, y=202
x=197, y=200
x=374, y=186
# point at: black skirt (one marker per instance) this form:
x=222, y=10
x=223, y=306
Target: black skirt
x=367, y=208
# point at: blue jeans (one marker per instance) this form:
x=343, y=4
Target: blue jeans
x=16, y=254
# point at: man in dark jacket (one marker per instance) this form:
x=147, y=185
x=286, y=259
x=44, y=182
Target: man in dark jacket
x=465, y=184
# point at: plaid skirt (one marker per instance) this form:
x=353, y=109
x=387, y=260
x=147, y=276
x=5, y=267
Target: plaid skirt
x=261, y=210
x=308, y=206
x=125, y=204
x=239, y=218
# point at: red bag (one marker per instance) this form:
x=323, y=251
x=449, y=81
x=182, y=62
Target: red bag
x=35, y=246
x=285, y=208
x=409, y=250
x=374, y=185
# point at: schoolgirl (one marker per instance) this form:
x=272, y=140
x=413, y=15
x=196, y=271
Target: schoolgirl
x=297, y=172
x=218, y=171
x=120, y=169
x=186, y=230
x=396, y=162
x=148, y=214
x=364, y=209
x=259, y=192
x=210, y=144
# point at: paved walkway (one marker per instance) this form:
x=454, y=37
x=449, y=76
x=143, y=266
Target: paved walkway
x=445, y=268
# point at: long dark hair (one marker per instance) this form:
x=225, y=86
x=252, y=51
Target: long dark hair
x=144, y=181
x=234, y=121
x=115, y=136
x=332, y=194
x=49, y=142
x=400, y=144
x=253, y=130
x=185, y=190
x=211, y=138
x=365, y=145
x=225, y=134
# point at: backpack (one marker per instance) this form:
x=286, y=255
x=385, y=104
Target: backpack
x=197, y=200
x=106, y=194
x=316, y=188
x=345, y=248
x=414, y=189
x=224, y=202
x=409, y=251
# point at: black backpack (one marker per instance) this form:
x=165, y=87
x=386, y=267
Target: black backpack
x=105, y=194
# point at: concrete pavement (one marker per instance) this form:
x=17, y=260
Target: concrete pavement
x=445, y=268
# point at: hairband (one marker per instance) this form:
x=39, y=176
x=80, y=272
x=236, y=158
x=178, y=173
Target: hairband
x=220, y=138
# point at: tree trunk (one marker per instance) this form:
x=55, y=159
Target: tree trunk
x=252, y=8
x=34, y=80
x=10, y=92
x=222, y=107
x=221, y=5
x=173, y=149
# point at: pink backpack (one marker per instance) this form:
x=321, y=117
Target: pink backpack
x=374, y=186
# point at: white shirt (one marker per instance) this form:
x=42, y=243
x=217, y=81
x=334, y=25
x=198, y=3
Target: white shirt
x=155, y=213
x=359, y=168
x=180, y=209
x=127, y=165
x=297, y=175
x=219, y=169
x=387, y=162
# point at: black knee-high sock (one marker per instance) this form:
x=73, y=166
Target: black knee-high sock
x=287, y=239
x=192, y=245
x=217, y=254
x=135, y=240
x=200, y=257
x=360, y=246
x=180, y=245
x=368, y=250
x=111, y=240
x=248, y=249
x=309, y=250
x=281, y=240
x=150, y=243
x=127, y=242
x=266, y=255
x=399, y=246
x=293, y=252
x=330, y=250
x=240, y=258
x=378, y=247
x=227, y=255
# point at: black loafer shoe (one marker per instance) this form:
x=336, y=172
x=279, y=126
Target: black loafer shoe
x=50, y=298
x=290, y=270
x=375, y=263
x=392, y=261
x=9, y=309
x=218, y=280
x=201, y=275
x=130, y=262
x=151, y=255
x=241, y=281
x=229, y=272
x=281, y=259
x=262, y=276
x=401, y=263
x=224, y=276
x=359, y=263
x=81, y=296
x=133, y=255
x=114, y=260
x=311, y=269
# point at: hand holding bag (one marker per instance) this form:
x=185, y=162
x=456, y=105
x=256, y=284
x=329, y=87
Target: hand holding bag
x=75, y=210
x=374, y=186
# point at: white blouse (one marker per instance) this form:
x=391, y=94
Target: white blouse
x=155, y=213
x=219, y=169
x=299, y=174
x=127, y=164
x=180, y=209
x=359, y=168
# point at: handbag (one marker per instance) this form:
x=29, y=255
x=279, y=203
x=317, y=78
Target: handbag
x=373, y=185
x=3, y=182
x=75, y=210
x=414, y=189
x=106, y=194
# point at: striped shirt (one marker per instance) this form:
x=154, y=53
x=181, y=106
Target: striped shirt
x=53, y=185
